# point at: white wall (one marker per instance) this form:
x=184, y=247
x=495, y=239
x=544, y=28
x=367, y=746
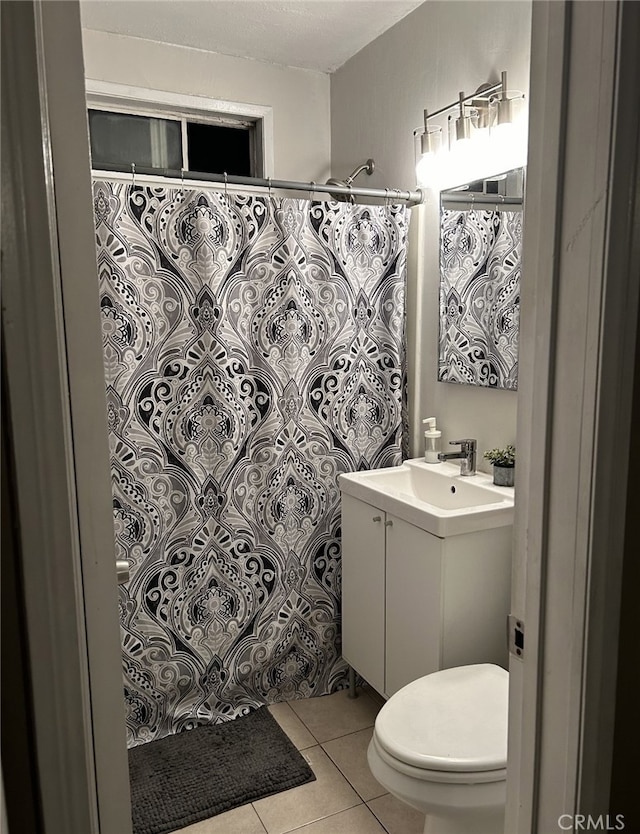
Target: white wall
x=377, y=99
x=300, y=98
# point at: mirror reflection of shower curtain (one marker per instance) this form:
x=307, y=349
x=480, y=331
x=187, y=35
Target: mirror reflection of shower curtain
x=480, y=265
x=253, y=351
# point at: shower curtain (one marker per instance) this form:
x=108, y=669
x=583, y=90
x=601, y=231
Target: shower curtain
x=480, y=266
x=253, y=351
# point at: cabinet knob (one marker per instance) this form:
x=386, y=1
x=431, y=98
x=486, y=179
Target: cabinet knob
x=377, y=518
x=388, y=524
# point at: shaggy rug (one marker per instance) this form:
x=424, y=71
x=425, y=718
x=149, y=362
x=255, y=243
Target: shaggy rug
x=196, y=774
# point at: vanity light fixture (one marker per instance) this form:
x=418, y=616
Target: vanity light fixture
x=478, y=140
x=504, y=107
x=504, y=112
x=430, y=150
x=463, y=123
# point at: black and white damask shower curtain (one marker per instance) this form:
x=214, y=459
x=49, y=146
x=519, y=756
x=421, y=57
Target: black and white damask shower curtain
x=253, y=351
x=480, y=266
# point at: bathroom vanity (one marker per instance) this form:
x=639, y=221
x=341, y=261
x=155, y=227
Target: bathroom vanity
x=426, y=571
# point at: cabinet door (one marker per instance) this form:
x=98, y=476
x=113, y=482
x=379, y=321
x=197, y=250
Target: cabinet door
x=363, y=589
x=413, y=604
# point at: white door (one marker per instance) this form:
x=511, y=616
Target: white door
x=414, y=601
x=363, y=589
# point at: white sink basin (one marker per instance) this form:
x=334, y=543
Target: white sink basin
x=434, y=497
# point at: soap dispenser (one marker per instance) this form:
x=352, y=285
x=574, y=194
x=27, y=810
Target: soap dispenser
x=431, y=441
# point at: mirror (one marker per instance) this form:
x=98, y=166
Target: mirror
x=480, y=259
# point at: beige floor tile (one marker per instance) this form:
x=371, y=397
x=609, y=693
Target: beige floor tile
x=292, y=726
x=332, y=716
x=243, y=820
x=329, y=794
x=358, y=820
x=349, y=753
x=395, y=816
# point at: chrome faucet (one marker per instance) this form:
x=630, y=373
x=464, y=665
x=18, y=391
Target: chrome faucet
x=466, y=455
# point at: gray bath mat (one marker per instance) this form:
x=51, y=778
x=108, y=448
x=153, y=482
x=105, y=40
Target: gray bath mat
x=199, y=773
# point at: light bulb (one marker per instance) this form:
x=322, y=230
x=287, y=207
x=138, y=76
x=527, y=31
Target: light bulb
x=427, y=170
x=503, y=133
x=428, y=156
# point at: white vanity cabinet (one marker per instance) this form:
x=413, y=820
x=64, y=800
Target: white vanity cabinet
x=413, y=603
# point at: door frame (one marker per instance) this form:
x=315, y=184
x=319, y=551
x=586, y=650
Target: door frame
x=574, y=408
x=578, y=340
x=56, y=415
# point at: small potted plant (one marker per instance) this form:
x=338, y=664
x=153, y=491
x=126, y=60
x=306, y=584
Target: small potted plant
x=504, y=462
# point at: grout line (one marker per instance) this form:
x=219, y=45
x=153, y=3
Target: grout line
x=378, y=820
x=307, y=750
x=328, y=817
x=337, y=766
x=297, y=718
x=264, y=827
x=350, y=733
x=353, y=787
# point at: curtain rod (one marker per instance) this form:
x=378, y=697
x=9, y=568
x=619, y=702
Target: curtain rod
x=413, y=198
x=469, y=197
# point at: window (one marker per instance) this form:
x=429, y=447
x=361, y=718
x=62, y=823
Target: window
x=121, y=138
x=215, y=144
x=216, y=149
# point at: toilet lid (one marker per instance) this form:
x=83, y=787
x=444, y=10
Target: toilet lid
x=455, y=719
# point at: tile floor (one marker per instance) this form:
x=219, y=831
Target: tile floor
x=332, y=733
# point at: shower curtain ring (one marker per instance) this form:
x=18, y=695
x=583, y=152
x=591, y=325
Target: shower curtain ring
x=182, y=183
x=133, y=174
x=386, y=198
x=226, y=196
x=269, y=186
x=312, y=189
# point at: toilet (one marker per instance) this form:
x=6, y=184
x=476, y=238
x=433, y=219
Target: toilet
x=440, y=745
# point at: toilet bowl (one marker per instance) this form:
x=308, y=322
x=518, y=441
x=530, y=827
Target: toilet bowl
x=440, y=745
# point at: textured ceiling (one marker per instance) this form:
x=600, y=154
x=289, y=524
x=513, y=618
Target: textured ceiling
x=313, y=34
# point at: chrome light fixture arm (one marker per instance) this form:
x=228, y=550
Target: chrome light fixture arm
x=489, y=107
